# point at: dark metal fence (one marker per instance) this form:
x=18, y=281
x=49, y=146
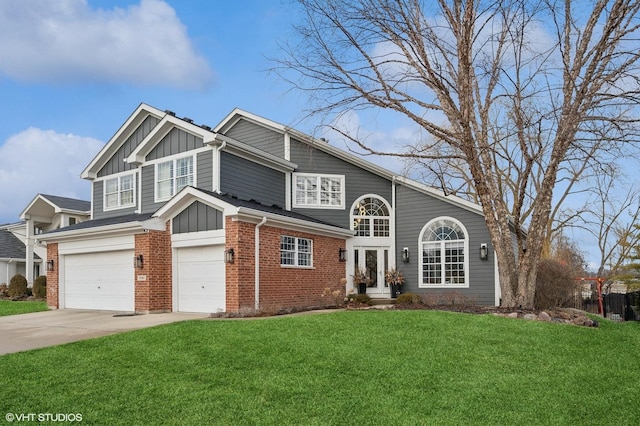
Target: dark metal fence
x=621, y=307
x=617, y=306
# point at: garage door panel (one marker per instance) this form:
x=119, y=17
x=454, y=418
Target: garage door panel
x=102, y=281
x=200, y=279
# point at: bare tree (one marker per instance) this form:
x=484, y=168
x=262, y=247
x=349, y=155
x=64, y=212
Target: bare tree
x=516, y=81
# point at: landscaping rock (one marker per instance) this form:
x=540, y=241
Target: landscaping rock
x=513, y=315
x=530, y=317
x=543, y=316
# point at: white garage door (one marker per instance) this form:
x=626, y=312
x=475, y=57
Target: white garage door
x=201, y=279
x=102, y=281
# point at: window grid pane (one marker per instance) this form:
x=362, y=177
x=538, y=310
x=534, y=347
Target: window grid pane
x=296, y=251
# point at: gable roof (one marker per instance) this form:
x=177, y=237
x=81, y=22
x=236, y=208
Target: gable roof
x=55, y=204
x=11, y=247
x=119, y=138
x=238, y=114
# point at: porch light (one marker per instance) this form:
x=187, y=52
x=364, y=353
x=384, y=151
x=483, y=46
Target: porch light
x=484, y=252
x=50, y=265
x=342, y=254
x=138, y=261
x=229, y=256
x=405, y=255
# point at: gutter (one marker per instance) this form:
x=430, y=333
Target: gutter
x=257, y=262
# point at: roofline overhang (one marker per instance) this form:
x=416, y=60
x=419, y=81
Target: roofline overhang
x=323, y=145
x=127, y=228
x=253, y=154
x=189, y=195
x=166, y=124
x=135, y=119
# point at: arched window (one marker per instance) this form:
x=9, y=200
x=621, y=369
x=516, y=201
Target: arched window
x=370, y=217
x=445, y=246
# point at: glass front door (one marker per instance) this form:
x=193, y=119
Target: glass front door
x=374, y=261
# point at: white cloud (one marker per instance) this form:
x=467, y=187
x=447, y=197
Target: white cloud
x=42, y=161
x=66, y=41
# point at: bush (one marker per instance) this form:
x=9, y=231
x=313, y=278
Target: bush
x=17, y=286
x=40, y=287
x=409, y=299
x=556, y=285
x=360, y=299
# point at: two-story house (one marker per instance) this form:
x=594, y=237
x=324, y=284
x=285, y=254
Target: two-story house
x=19, y=253
x=254, y=214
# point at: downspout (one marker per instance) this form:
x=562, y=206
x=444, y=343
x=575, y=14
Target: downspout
x=216, y=173
x=257, y=262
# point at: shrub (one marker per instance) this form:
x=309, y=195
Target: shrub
x=409, y=299
x=40, y=287
x=3, y=290
x=556, y=285
x=17, y=286
x=359, y=299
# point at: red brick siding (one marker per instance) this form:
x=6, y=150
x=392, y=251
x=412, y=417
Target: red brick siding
x=155, y=292
x=240, y=293
x=287, y=287
x=280, y=288
x=53, y=277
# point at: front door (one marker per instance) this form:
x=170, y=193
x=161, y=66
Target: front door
x=374, y=261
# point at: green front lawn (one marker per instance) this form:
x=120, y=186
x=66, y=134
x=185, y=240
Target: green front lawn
x=353, y=367
x=7, y=307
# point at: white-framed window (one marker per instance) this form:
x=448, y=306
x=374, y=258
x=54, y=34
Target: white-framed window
x=318, y=191
x=444, y=261
x=296, y=252
x=119, y=191
x=172, y=176
x=370, y=217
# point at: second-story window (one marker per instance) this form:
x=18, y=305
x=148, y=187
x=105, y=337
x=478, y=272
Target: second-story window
x=322, y=191
x=119, y=192
x=172, y=176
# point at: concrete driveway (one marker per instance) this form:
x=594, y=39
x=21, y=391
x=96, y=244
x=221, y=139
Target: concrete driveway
x=50, y=328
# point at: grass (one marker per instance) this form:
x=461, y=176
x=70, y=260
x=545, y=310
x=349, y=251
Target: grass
x=8, y=307
x=362, y=367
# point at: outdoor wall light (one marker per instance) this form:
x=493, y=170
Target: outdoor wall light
x=138, y=261
x=50, y=266
x=405, y=255
x=484, y=252
x=229, y=256
x=342, y=254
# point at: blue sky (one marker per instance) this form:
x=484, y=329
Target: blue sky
x=72, y=71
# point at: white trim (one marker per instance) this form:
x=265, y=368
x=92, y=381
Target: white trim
x=235, y=115
x=318, y=177
x=202, y=238
x=118, y=176
x=115, y=142
x=296, y=252
x=162, y=129
x=174, y=159
x=466, y=262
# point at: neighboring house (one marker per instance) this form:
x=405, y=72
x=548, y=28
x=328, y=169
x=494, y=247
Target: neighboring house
x=19, y=252
x=13, y=254
x=253, y=214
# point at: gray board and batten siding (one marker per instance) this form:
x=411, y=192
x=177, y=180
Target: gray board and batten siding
x=250, y=181
x=358, y=181
x=203, y=179
x=416, y=211
x=258, y=136
x=177, y=141
x=116, y=163
x=198, y=217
